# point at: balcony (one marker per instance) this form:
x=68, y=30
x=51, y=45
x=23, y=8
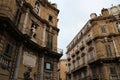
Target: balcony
x=58, y=50
x=104, y=77
x=114, y=77
x=5, y=62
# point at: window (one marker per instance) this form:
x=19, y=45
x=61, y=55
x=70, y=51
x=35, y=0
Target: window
x=83, y=58
x=108, y=50
x=48, y=66
x=49, y=40
x=94, y=71
x=103, y=30
x=8, y=49
x=113, y=74
x=113, y=70
x=50, y=18
x=91, y=55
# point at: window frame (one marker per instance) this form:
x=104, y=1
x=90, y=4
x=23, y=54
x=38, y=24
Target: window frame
x=8, y=52
x=50, y=66
x=108, y=50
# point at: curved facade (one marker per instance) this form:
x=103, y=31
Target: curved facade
x=28, y=40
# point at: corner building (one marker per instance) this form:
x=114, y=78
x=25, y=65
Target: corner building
x=94, y=53
x=28, y=40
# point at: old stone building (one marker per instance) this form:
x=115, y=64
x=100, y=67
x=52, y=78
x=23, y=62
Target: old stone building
x=28, y=40
x=94, y=53
x=62, y=69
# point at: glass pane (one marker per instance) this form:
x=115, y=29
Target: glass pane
x=48, y=66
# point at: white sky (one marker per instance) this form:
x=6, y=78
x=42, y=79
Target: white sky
x=73, y=16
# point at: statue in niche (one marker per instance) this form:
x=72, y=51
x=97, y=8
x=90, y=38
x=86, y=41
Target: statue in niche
x=33, y=30
x=27, y=74
x=37, y=7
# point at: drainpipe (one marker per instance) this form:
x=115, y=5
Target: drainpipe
x=18, y=62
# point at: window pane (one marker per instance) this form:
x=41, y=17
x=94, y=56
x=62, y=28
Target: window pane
x=48, y=66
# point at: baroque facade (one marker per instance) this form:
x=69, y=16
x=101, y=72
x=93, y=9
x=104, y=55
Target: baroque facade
x=94, y=53
x=28, y=40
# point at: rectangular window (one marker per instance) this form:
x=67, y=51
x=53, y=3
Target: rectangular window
x=108, y=50
x=91, y=55
x=113, y=74
x=8, y=50
x=83, y=60
x=49, y=41
x=94, y=72
x=50, y=18
x=48, y=66
x=113, y=70
x=103, y=30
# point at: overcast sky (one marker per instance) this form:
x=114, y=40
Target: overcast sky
x=73, y=16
